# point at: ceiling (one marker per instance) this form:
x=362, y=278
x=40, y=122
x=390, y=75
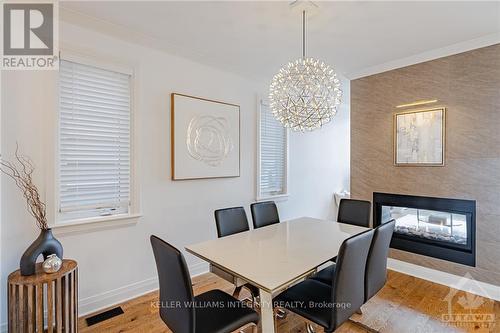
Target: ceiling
x=255, y=39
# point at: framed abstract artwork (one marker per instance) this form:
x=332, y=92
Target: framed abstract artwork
x=205, y=137
x=419, y=137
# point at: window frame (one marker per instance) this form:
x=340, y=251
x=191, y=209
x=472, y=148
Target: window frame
x=56, y=219
x=260, y=196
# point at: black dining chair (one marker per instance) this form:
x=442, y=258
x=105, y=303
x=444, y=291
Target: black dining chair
x=230, y=221
x=211, y=312
x=355, y=212
x=330, y=305
x=376, y=265
x=264, y=213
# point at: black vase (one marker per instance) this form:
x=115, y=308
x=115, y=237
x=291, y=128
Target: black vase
x=46, y=245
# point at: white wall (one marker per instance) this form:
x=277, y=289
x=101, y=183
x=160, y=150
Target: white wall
x=319, y=165
x=117, y=262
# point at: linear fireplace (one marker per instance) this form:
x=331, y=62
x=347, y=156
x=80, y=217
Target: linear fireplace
x=437, y=227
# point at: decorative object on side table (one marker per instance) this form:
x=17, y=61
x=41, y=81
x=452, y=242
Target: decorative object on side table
x=44, y=302
x=21, y=172
x=205, y=138
x=52, y=264
x=419, y=137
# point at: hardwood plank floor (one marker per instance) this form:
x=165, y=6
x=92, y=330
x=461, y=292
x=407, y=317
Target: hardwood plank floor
x=405, y=304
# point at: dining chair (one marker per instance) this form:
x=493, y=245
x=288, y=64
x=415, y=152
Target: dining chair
x=330, y=305
x=376, y=264
x=264, y=213
x=230, y=221
x=355, y=212
x=183, y=312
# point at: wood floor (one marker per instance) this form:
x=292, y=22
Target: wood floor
x=405, y=304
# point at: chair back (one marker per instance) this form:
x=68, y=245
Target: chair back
x=349, y=279
x=376, y=265
x=175, y=286
x=356, y=212
x=230, y=221
x=264, y=213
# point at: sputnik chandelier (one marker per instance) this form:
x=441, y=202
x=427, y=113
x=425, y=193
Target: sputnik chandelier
x=305, y=94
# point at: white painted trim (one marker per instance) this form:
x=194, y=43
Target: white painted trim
x=198, y=269
x=95, y=224
x=114, y=66
x=116, y=296
x=119, y=295
x=93, y=58
x=469, y=45
x=278, y=197
x=454, y=281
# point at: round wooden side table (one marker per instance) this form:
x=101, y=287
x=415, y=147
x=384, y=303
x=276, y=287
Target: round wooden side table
x=55, y=294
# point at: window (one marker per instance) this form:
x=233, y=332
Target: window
x=94, y=142
x=273, y=156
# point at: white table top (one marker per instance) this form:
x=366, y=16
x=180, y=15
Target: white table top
x=274, y=256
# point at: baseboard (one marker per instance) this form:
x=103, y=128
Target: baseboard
x=465, y=283
x=107, y=299
x=119, y=295
x=198, y=269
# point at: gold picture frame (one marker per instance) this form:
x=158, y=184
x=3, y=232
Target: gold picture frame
x=418, y=139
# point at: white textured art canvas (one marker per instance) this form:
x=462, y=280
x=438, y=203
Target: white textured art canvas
x=419, y=137
x=205, y=138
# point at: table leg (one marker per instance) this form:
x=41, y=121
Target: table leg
x=266, y=312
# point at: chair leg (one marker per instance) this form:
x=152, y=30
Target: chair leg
x=281, y=314
x=244, y=328
x=237, y=291
x=255, y=302
x=275, y=316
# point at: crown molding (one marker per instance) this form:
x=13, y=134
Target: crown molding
x=128, y=35
x=449, y=50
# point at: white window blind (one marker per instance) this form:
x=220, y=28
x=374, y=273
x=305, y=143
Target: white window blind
x=94, y=141
x=273, y=155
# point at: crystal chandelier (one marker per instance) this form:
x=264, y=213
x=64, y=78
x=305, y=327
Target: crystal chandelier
x=305, y=94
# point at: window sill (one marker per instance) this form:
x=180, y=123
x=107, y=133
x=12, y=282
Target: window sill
x=278, y=197
x=94, y=223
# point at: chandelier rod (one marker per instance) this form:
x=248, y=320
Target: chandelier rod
x=303, y=34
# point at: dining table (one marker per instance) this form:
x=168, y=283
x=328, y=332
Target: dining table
x=274, y=257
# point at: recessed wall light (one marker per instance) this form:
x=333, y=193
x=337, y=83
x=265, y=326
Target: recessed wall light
x=429, y=101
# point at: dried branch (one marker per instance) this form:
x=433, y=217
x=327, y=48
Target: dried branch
x=21, y=172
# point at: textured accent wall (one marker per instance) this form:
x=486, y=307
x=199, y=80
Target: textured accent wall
x=468, y=85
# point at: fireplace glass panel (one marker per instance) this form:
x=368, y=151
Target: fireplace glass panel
x=428, y=224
